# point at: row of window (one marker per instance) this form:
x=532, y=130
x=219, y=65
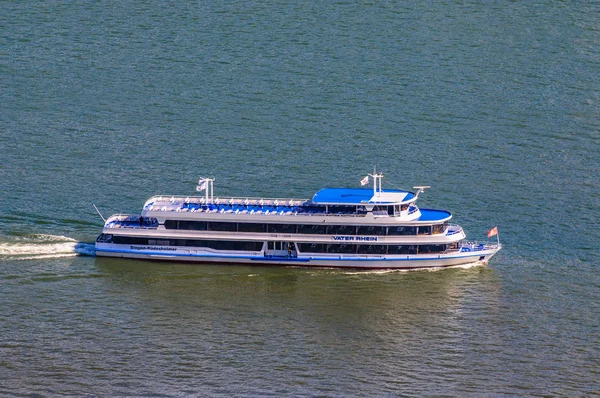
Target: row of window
x=305, y=229
x=303, y=247
x=370, y=249
x=211, y=244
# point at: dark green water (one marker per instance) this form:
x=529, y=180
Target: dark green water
x=496, y=106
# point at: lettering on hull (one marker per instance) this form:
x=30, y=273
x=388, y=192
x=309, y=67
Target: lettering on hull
x=155, y=248
x=356, y=238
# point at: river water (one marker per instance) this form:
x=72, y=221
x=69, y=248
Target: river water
x=494, y=105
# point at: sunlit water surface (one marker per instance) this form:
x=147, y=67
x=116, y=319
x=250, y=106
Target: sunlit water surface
x=495, y=106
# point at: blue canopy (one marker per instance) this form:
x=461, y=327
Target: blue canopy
x=358, y=196
x=434, y=215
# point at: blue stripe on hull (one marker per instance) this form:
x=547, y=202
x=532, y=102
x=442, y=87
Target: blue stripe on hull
x=302, y=261
x=290, y=260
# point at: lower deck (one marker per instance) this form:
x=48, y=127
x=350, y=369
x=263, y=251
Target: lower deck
x=282, y=253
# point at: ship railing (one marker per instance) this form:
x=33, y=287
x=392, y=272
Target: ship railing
x=254, y=210
x=258, y=206
x=380, y=213
x=118, y=217
x=476, y=246
x=174, y=200
x=130, y=221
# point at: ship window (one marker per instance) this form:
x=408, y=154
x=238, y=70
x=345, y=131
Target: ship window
x=371, y=230
x=361, y=210
x=187, y=225
x=312, y=247
x=341, y=248
x=252, y=227
x=171, y=224
x=431, y=248
x=424, y=230
x=311, y=229
x=159, y=242
x=394, y=249
x=371, y=249
x=250, y=246
x=340, y=230
x=130, y=240
x=222, y=244
x=439, y=228
x=281, y=228
x=222, y=226
x=277, y=245
x=402, y=249
x=402, y=230
x=105, y=238
x=342, y=209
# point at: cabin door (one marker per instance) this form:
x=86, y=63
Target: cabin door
x=277, y=249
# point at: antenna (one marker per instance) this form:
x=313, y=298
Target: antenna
x=100, y=214
x=420, y=189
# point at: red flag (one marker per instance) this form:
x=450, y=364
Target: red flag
x=492, y=232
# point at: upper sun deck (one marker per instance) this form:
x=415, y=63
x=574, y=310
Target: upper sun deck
x=362, y=196
x=258, y=206
x=227, y=205
x=348, y=202
x=283, y=207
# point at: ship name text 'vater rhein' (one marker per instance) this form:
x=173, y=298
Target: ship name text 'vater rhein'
x=338, y=227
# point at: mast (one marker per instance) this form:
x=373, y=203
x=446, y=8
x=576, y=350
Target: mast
x=376, y=181
x=206, y=185
x=210, y=182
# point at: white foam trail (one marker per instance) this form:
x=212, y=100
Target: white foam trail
x=41, y=246
x=44, y=256
x=471, y=265
x=85, y=249
x=42, y=237
x=433, y=269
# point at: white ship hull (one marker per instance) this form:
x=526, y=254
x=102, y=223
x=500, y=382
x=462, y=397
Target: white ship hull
x=309, y=260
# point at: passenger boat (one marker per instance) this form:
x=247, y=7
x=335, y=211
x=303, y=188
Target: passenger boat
x=338, y=227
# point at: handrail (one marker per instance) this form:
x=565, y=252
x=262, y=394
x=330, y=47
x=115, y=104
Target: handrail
x=173, y=199
x=475, y=246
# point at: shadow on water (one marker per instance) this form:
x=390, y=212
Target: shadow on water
x=309, y=294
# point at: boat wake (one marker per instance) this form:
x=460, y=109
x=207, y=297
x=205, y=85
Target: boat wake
x=40, y=246
x=433, y=269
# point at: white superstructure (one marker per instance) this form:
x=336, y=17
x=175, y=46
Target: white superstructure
x=338, y=227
